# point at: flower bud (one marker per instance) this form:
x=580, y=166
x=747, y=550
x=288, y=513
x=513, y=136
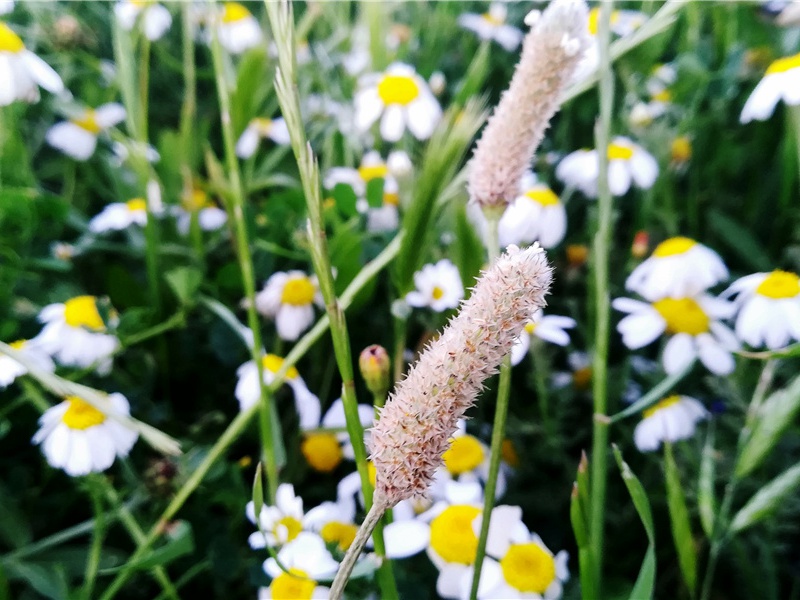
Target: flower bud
x=375, y=365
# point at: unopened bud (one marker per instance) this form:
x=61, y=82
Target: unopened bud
x=641, y=244
x=375, y=365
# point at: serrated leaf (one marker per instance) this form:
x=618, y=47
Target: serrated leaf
x=774, y=417
x=766, y=500
x=679, y=521
x=706, y=498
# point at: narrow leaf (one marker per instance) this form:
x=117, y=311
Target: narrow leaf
x=258, y=493
x=706, y=500
x=767, y=499
x=646, y=580
x=679, y=521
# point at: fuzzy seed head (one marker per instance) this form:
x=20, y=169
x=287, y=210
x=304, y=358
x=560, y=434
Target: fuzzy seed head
x=421, y=414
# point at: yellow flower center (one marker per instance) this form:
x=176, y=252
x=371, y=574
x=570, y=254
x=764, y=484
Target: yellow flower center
x=451, y=534
x=619, y=152
x=9, y=41
x=663, y=96
x=673, y=246
x=437, y=292
x=195, y=200
x=668, y=401
x=509, y=453
x=594, y=20
x=681, y=149
x=372, y=472
x=81, y=415
x=492, y=19
x=342, y=534
x=779, y=284
x=543, y=196
x=262, y=125
x=397, y=89
x=464, y=454
x=683, y=315
x=298, y=291
x=137, y=205
x=19, y=344
x=82, y=312
x=293, y=585
x=234, y=12
x=391, y=199
x=322, y=451
x=273, y=364
x=528, y=567
x=530, y=327
x=88, y=122
x=779, y=66
x=370, y=172
x=292, y=525
x=581, y=378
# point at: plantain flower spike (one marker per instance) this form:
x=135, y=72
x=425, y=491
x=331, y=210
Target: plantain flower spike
x=421, y=414
x=550, y=54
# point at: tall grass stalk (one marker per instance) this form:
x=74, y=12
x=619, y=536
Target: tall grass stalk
x=96, y=548
x=601, y=249
x=236, y=207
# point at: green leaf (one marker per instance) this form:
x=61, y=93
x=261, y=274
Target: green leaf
x=48, y=580
x=258, y=493
x=14, y=528
x=774, y=417
x=180, y=542
x=679, y=521
x=706, y=498
x=767, y=499
x=345, y=199
x=654, y=395
x=646, y=580
x=475, y=76
x=740, y=240
x=184, y=283
x=467, y=249
x=375, y=192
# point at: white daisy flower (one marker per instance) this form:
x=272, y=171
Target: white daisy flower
x=80, y=439
x=156, y=19
x=550, y=328
x=289, y=298
x=122, y=151
x=77, y=137
x=628, y=163
x=22, y=72
x=780, y=82
x=693, y=324
x=237, y=29
x=670, y=420
x=260, y=128
x=307, y=560
x=580, y=374
x=404, y=100
x=120, y=215
x=279, y=524
x=324, y=450
x=210, y=217
x=248, y=391
x=491, y=25
x=75, y=335
x=11, y=369
x=769, y=308
x=679, y=267
x=438, y=287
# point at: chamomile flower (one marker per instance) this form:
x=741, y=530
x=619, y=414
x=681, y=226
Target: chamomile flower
x=79, y=439
x=77, y=137
x=261, y=128
x=248, y=392
x=670, y=420
x=693, y=324
x=679, y=267
x=438, y=286
x=237, y=29
x=623, y=23
x=780, y=82
x=156, y=19
x=22, y=72
x=550, y=328
x=628, y=163
x=307, y=560
x=120, y=215
x=11, y=369
x=75, y=335
x=491, y=25
x=402, y=98
x=278, y=524
x=769, y=308
x=210, y=217
x=289, y=298
x=324, y=450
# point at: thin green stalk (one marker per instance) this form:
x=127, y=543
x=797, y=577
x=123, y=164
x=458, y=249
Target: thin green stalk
x=189, y=106
x=144, y=88
x=374, y=13
x=96, y=548
x=794, y=116
x=602, y=308
x=540, y=372
x=245, y=263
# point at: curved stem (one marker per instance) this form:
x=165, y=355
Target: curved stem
x=346, y=567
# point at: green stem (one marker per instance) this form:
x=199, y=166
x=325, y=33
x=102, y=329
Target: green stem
x=144, y=88
x=176, y=320
x=540, y=372
x=602, y=308
x=236, y=206
x=93, y=558
x=189, y=106
x=794, y=115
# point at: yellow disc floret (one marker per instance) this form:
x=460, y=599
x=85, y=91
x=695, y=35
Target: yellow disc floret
x=464, y=454
x=82, y=312
x=298, y=291
x=668, y=401
x=437, y=292
x=683, y=315
x=784, y=64
x=619, y=152
x=234, y=12
x=528, y=568
x=322, y=451
x=292, y=525
x=543, y=196
x=452, y=536
x=81, y=415
x=779, y=284
x=681, y=149
x=9, y=41
x=88, y=122
x=294, y=585
x=341, y=534
x=673, y=246
x=273, y=364
x=398, y=89
x=137, y=205
x=370, y=172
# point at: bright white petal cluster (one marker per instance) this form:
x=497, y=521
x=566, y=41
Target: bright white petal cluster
x=22, y=72
x=550, y=328
x=289, y=298
x=769, y=308
x=491, y=25
x=679, y=267
x=628, y=163
x=237, y=28
x=258, y=129
x=672, y=419
x=156, y=19
x=120, y=215
x=79, y=439
x=401, y=99
x=11, y=369
x=780, y=82
x=438, y=286
x=77, y=137
x=74, y=334
x=278, y=524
